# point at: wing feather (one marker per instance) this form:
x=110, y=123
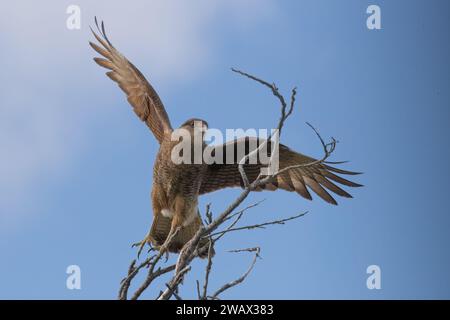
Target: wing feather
x=140, y=94
x=316, y=177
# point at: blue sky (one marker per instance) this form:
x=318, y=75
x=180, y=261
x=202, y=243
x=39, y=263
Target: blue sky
x=76, y=164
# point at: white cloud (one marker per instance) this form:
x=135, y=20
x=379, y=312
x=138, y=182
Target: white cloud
x=41, y=56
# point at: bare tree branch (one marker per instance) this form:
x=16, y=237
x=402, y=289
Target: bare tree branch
x=173, y=284
x=241, y=278
x=199, y=296
x=152, y=274
x=328, y=149
x=238, y=216
x=191, y=249
x=175, y=294
x=245, y=209
x=208, y=270
x=259, y=225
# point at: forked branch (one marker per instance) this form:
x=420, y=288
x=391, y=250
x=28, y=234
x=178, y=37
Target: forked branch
x=210, y=231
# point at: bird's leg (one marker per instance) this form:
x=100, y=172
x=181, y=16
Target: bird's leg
x=148, y=239
x=174, y=229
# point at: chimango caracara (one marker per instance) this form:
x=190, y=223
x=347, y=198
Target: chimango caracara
x=176, y=187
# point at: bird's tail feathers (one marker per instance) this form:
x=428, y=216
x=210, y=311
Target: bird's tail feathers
x=161, y=228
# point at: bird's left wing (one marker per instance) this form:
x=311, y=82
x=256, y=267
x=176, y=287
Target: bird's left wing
x=318, y=177
x=141, y=95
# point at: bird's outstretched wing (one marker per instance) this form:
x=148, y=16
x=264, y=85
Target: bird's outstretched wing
x=140, y=94
x=318, y=177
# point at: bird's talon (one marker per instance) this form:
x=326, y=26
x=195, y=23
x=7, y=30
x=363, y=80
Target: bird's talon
x=141, y=245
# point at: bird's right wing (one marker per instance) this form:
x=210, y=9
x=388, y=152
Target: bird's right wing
x=141, y=95
x=305, y=172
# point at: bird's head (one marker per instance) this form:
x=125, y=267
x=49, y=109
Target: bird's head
x=195, y=125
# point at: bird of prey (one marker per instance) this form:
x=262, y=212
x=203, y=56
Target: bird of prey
x=176, y=187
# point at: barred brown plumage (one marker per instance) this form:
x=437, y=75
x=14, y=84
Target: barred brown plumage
x=176, y=187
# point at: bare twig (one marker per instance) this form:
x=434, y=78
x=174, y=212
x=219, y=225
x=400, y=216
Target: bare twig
x=328, y=149
x=245, y=209
x=238, y=216
x=199, y=296
x=208, y=270
x=208, y=214
x=254, y=249
x=125, y=283
x=190, y=250
x=152, y=274
x=259, y=225
x=241, y=278
x=284, y=116
x=173, y=284
x=175, y=294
